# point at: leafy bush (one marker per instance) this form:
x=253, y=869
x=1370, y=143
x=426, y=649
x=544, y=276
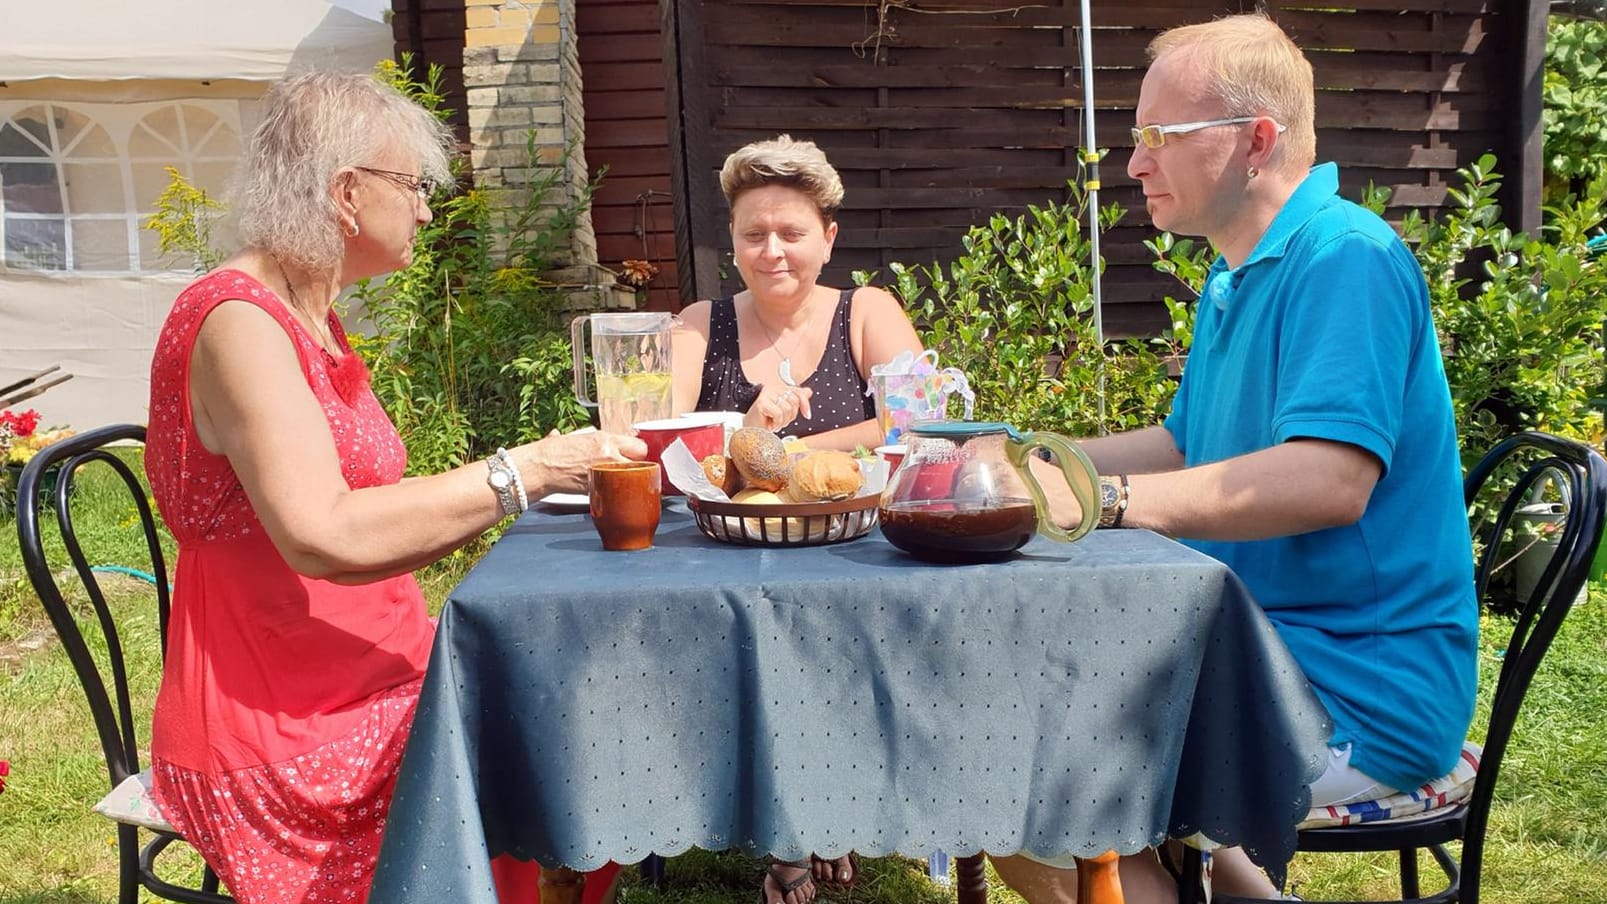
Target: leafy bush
x=1522, y=338
x=1575, y=99
x=1014, y=312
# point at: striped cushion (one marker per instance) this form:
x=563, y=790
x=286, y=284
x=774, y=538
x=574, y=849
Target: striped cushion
x=1415, y=804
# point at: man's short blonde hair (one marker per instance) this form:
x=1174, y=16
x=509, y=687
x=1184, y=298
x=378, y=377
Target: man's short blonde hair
x=783, y=160
x=1255, y=70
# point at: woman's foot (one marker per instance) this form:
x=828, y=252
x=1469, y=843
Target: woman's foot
x=842, y=871
x=787, y=883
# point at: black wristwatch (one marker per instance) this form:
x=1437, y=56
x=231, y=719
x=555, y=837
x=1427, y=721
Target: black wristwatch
x=1113, y=494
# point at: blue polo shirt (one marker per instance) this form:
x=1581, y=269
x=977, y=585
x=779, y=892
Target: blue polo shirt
x=1324, y=332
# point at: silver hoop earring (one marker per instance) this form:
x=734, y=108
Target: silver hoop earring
x=352, y=232
x=1252, y=173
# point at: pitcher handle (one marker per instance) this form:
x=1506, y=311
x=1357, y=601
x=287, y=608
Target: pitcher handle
x=577, y=329
x=1080, y=475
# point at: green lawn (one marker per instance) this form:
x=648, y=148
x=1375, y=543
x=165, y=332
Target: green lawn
x=1545, y=844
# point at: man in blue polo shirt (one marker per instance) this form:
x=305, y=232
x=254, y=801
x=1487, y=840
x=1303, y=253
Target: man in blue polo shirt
x=1311, y=445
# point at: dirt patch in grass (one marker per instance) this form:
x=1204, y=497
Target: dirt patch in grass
x=25, y=629
x=14, y=650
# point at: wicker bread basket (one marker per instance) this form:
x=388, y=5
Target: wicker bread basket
x=785, y=524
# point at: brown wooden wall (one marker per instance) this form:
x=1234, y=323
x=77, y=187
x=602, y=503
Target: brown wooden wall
x=432, y=31
x=622, y=76
x=940, y=112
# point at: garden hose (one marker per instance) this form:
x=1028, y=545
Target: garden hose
x=145, y=576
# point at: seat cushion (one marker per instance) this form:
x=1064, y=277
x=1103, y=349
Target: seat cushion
x=1403, y=805
x=131, y=803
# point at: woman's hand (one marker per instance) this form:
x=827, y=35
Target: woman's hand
x=558, y=462
x=777, y=406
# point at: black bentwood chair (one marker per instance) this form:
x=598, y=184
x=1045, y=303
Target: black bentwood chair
x=113, y=711
x=1448, y=810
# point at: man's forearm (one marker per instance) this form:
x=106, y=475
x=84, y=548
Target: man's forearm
x=1148, y=451
x=1292, y=488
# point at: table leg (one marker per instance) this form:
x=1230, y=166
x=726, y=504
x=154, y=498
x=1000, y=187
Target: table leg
x=1098, y=881
x=561, y=886
x=971, y=880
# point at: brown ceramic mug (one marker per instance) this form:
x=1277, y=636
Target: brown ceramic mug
x=625, y=499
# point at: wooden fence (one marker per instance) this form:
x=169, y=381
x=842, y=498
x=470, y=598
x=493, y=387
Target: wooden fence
x=940, y=112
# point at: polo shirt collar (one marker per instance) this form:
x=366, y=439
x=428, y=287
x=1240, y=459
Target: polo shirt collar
x=1317, y=189
x=1319, y=186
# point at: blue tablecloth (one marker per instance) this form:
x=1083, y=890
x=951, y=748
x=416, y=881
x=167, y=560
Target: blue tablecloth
x=584, y=706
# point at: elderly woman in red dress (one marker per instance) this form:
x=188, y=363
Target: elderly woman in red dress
x=299, y=638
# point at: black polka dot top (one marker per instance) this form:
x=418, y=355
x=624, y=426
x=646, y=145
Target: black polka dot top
x=839, y=398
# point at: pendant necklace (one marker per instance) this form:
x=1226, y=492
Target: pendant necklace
x=322, y=335
x=784, y=369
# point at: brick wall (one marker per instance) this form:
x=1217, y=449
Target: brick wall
x=521, y=72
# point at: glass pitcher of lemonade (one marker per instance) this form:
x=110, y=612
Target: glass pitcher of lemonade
x=631, y=355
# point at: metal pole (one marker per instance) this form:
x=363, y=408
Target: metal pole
x=1090, y=157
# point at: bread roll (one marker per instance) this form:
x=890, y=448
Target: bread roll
x=722, y=473
x=760, y=458
x=824, y=476
x=768, y=529
x=756, y=496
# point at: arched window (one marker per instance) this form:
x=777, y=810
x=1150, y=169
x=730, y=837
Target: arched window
x=64, y=196
x=78, y=181
x=192, y=139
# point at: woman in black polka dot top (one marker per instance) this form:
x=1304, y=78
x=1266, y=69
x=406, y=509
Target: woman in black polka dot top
x=793, y=355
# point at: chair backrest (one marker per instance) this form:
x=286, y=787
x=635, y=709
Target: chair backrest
x=108, y=689
x=1581, y=477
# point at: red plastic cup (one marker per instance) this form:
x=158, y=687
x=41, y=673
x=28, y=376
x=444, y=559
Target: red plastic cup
x=703, y=434
x=893, y=455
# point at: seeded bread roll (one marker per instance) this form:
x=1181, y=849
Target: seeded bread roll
x=824, y=476
x=722, y=473
x=760, y=458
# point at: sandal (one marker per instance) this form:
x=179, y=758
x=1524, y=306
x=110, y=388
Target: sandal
x=785, y=885
x=834, y=866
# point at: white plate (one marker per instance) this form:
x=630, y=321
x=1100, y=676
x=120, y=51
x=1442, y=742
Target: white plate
x=566, y=500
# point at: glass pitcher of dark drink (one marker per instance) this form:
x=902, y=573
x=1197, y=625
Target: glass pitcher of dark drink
x=964, y=492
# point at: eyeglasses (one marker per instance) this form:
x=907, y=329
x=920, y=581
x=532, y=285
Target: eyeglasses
x=1154, y=137
x=424, y=188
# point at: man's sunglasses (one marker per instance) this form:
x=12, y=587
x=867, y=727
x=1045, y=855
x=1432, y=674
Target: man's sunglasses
x=1154, y=137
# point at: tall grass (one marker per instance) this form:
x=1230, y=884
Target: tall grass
x=1545, y=842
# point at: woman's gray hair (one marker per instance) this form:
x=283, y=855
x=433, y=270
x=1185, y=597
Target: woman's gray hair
x=783, y=161
x=313, y=124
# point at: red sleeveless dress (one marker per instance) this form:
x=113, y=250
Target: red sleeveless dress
x=285, y=700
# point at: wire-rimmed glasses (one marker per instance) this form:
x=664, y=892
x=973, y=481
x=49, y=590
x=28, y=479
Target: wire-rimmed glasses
x=421, y=186
x=1154, y=136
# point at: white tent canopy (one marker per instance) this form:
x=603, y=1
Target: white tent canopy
x=98, y=98
x=108, y=40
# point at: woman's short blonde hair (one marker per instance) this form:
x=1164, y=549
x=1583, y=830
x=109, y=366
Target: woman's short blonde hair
x=314, y=124
x=1255, y=70
x=783, y=160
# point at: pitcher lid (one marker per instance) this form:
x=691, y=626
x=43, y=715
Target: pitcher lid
x=962, y=430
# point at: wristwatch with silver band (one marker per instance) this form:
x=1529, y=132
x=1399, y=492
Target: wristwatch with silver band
x=1113, y=495
x=504, y=479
